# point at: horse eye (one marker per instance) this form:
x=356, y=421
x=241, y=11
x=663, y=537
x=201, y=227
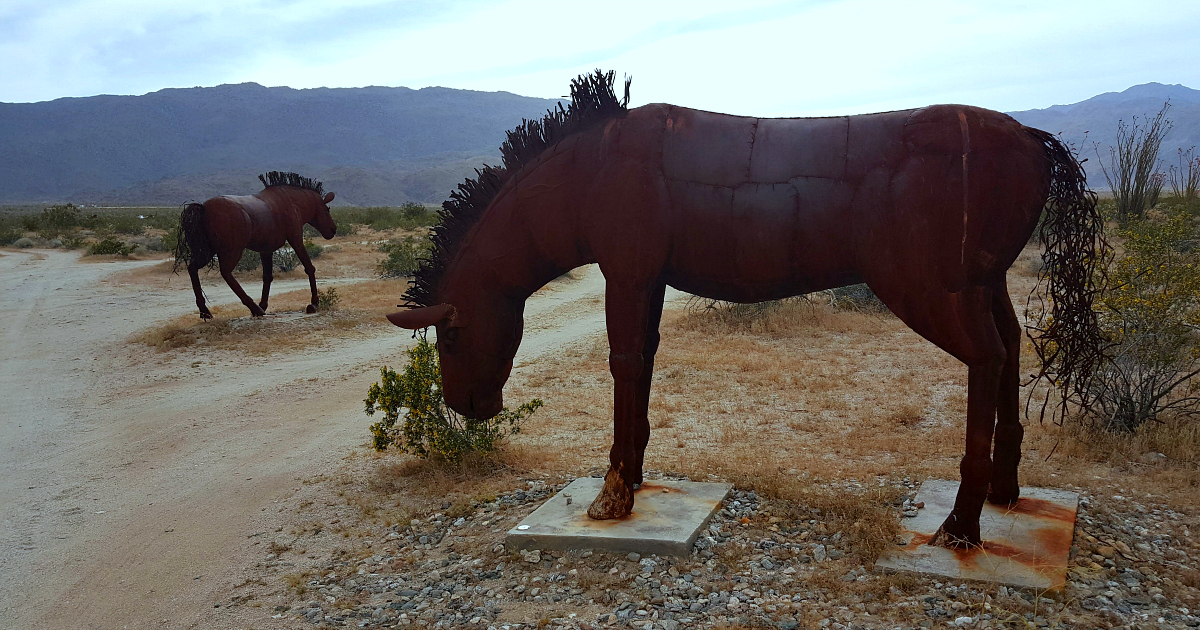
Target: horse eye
x=450, y=335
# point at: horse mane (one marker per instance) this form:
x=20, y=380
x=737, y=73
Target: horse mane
x=592, y=101
x=278, y=178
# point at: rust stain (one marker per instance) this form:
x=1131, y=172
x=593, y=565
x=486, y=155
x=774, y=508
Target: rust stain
x=1054, y=541
x=1040, y=508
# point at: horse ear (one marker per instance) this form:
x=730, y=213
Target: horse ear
x=418, y=318
x=328, y=197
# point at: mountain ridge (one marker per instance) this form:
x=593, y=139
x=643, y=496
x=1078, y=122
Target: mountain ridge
x=373, y=145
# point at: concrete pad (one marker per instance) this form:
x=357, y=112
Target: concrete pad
x=1024, y=545
x=667, y=517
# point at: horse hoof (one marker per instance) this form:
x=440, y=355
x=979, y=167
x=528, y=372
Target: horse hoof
x=614, y=501
x=1003, y=496
x=310, y=309
x=205, y=316
x=955, y=535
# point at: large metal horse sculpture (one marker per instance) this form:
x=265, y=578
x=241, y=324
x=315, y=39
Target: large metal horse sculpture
x=225, y=226
x=928, y=206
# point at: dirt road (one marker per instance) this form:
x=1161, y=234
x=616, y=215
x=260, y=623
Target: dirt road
x=131, y=481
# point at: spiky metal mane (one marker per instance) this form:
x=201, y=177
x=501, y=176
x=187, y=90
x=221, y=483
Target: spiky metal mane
x=592, y=100
x=279, y=178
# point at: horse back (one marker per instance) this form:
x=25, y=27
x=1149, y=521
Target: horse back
x=770, y=207
x=242, y=221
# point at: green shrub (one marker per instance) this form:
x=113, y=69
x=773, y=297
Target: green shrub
x=413, y=211
x=131, y=224
x=403, y=256
x=285, y=259
x=8, y=236
x=408, y=216
x=417, y=421
x=856, y=297
x=1151, y=312
x=249, y=261
x=328, y=299
x=56, y=221
x=314, y=250
x=109, y=246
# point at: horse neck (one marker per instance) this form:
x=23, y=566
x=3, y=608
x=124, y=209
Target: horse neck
x=304, y=201
x=524, y=241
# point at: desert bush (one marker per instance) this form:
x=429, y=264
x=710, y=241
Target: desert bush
x=109, y=246
x=328, y=299
x=314, y=250
x=1185, y=177
x=1151, y=312
x=408, y=216
x=413, y=211
x=23, y=243
x=403, y=256
x=285, y=259
x=124, y=223
x=8, y=235
x=249, y=261
x=856, y=297
x=57, y=221
x=417, y=421
x=1132, y=169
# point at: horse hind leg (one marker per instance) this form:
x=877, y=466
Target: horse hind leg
x=268, y=264
x=227, y=263
x=963, y=325
x=194, y=272
x=1007, y=454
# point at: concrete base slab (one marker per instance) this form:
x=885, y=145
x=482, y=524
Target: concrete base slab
x=667, y=517
x=1025, y=545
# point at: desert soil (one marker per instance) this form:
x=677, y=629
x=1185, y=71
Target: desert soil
x=203, y=488
x=133, y=482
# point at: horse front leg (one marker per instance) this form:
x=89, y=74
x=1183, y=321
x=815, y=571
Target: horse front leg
x=642, y=420
x=627, y=312
x=297, y=243
x=268, y=267
x=227, y=263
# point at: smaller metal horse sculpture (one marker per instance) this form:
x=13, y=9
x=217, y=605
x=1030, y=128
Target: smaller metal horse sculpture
x=225, y=226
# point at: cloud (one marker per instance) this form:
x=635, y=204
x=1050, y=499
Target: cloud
x=762, y=57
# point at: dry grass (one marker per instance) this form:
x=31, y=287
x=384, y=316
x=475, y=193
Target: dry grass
x=361, y=311
x=806, y=396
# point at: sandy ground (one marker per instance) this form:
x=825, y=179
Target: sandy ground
x=133, y=483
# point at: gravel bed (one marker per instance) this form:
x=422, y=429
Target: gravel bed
x=1132, y=566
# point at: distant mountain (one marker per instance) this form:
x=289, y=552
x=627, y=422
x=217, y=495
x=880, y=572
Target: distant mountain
x=372, y=146
x=398, y=143
x=1091, y=125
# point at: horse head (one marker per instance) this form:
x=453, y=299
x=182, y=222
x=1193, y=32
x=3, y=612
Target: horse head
x=478, y=334
x=322, y=220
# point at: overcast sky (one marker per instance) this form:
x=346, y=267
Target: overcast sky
x=760, y=58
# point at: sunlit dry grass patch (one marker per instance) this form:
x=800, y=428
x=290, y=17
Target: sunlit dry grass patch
x=807, y=394
x=361, y=310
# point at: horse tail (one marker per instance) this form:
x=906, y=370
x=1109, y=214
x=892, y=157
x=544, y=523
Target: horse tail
x=192, y=244
x=1068, y=339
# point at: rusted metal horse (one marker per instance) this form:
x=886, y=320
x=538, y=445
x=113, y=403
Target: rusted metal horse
x=225, y=226
x=929, y=207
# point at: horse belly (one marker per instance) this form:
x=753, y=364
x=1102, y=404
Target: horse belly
x=756, y=242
